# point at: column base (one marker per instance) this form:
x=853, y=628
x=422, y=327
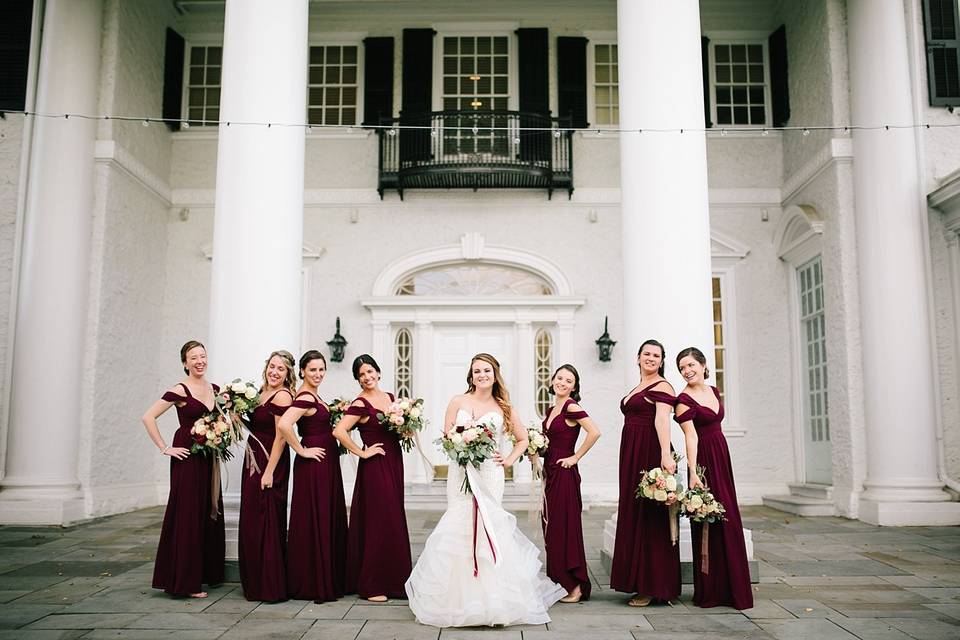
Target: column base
x=42, y=510
x=231, y=523
x=909, y=514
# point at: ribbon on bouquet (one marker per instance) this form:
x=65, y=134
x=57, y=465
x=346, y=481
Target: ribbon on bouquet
x=705, y=549
x=673, y=512
x=481, y=515
x=215, y=489
x=250, y=458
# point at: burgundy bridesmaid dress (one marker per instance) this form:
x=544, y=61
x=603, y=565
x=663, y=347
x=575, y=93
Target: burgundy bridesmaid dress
x=192, y=546
x=562, y=528
x=726, y=581
x=263, y=512
x=378, y=554
x=645, y=561
x=317, y=544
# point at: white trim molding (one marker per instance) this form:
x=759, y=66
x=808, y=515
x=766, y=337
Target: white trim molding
x=799, y=236
x=110, y=153
x=835, y=151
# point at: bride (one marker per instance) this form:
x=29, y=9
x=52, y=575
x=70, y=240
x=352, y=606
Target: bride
x=477, y=568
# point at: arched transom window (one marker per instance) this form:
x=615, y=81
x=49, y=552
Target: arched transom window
x=473, y=279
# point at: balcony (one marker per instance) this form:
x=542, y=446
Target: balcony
x=475, y=150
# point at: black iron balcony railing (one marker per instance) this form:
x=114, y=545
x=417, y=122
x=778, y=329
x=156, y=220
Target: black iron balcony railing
x=475, y=150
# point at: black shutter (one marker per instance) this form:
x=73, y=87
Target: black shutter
x=15, y=53
x=377, y=80
x=534, y=65
x=572, y=80
x=417, y=94
x=779, y=86
x=173, y=79
x=941, y=27
x=705, y=61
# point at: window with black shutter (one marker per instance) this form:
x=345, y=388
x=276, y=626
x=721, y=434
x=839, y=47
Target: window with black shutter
x=15, y=53
x=779, y=89
x=572, y=80
x=417, y=94
x=173, y=79
x=941, y=26
x=532, y=45
x=377, y=80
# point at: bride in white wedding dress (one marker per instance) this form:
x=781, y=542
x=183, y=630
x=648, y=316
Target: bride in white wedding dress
x=477, y=568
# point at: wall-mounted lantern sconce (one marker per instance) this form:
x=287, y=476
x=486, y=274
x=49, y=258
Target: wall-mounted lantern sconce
x=605, y=344
x=337, y=345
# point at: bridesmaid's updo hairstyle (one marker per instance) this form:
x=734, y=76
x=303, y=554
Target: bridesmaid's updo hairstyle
x=361, y=360
x=290, y=381
x=663, y=353
x=187, y=346
x=575, y=394
x=308, y=357
x=697, y=355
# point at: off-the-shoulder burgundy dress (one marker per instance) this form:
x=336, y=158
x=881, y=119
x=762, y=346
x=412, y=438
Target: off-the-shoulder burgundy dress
x=562, y=527
x=262, y=537
x=192, y=547
x=645, y=561
x=724, y=579
x=378, y=553
x=317, y=547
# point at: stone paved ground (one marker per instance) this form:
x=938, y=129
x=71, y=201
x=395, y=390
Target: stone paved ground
x=821, y=578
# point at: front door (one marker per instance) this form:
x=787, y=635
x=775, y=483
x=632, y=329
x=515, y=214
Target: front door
x=453, y=346
x=813, y=345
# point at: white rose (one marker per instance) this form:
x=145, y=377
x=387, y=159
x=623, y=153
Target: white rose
x=712, y=507
x=250, y=393
x=647, y=491
x=238, y=387
x=660, y=495
x=456, y=438
x=404, y=406
x=655, y=473
x=415, y=413
x=671, y=483
x=696, y=502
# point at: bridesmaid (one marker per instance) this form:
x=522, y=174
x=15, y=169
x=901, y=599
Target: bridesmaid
x=263, y=489
x=191, y=549
x=562, y=528
x=317, y=545
x=724, y=578
x=645, y=561
x=378, y=554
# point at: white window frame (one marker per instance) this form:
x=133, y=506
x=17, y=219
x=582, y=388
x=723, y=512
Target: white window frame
x=351, y=38
x=198, y=40
x=595, y=38
x=731, y=377
x=492, y=29
x=743, y=38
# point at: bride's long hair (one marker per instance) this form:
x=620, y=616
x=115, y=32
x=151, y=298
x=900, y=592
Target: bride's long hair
x=500, y=393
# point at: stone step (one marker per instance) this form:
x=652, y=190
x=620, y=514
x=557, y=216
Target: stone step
x=812, y=490
x=800, y=505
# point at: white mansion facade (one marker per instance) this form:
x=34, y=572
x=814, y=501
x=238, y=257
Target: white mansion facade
x=745, y=176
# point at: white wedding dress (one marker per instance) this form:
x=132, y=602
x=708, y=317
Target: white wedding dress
x=484, y=576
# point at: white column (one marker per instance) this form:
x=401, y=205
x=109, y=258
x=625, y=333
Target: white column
x=663, y=182
x=255, y=300
x=40, y=484
x=902, y=485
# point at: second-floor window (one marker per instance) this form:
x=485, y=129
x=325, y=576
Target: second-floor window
x=739, y=80
x=202, y=92
x=332, y=89
x=606, y=79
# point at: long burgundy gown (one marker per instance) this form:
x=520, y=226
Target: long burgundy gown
x=192, y=545
x=562, y=527
x=317, y=545
x=378, y=554
x=727, y=580
x=262, y=536
x=645, y=561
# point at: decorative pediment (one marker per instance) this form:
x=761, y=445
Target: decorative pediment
x=799, y=236
x=725, y=251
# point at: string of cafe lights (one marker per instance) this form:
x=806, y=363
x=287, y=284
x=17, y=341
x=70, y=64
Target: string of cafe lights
x=393, y=128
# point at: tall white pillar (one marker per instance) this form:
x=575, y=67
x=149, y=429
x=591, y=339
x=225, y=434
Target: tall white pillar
x=663, y=181
x=902, y=485
x=40, y=484
x=258, y=225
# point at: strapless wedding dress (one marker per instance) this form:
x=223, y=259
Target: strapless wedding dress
x=477, y=568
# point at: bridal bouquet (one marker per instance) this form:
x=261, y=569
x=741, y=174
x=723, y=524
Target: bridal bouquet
x=470, y=443
x=214, y=434
x=405, y=418
x=665, y=488
x=700, y=505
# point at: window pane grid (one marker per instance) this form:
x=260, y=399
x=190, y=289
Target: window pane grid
x=332, y=85
x=718, y=331
x=203, y=83
x=543, y=353
x=606, y=91
x=475, y=78
x=404, y=363
x=739, y=89
x=813, y=333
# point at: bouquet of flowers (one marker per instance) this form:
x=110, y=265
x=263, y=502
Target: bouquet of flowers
x=214, y=434
x=470, y=443
x=239, y=398
x=700, y=505
x=337, y=408
x=537, y=443
x=665, y=488
x=405, y=418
